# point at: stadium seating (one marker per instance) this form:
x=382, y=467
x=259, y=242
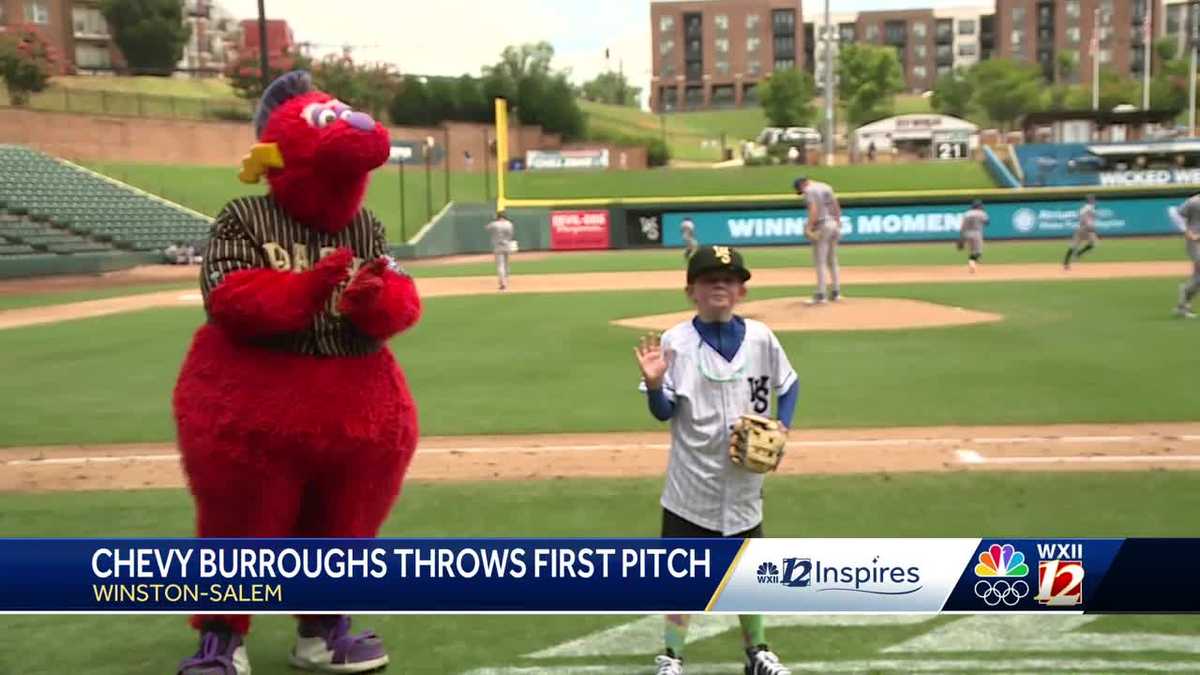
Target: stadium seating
x=65, y=209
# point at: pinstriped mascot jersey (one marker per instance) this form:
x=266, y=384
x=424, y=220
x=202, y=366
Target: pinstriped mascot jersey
x=254, y=232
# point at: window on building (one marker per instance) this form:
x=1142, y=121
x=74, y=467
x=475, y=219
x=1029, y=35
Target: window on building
x=1105, y=56
x=721, y=46
x=966, y=27
x=693, y=48
x=721, y=66
x=749, y=92
x=37, y=11
x=721, y=23
x=694, y=71
x=919, y=72
x=1106, y=15
x=693, y=96
x=847, y=32
x=894, y=32
x=89, y=21
x=1072, y=9
x=1017, y=39
x=872, y=32
x=919, y=52
x=1174, y=18
x=944, y=70
x=91, y=57
x=1073, y=35
x=666, y=98
x=967, y=49
x=666, y=47
x=918, y=30
x=784, y=44
x=1018, y=16
x=785, y=64
x=783, y=20
x=751, y=23
x=668, y=69
x=752, y=44
x=722, y=94
x=666, y=23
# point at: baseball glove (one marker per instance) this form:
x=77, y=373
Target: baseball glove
x=756, y=443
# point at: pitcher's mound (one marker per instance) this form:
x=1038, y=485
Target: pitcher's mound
x=790, y=314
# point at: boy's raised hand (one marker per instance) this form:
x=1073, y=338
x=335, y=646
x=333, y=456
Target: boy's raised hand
x=651, y=360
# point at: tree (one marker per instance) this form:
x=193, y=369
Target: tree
x=952, y=94
x=1066, y=63
x=787, y=98
x=870, y=78
x=1006, y=89
x=378, y=84
x=410, y=106
x=472, y=105
x=150, y=33
x=442, y=103
x=1115, y=90
x=613, y=89
x=337, y=76
x=26, y=63
x=244, y=74
x=523, y=77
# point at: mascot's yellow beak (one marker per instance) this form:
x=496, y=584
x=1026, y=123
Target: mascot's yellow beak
x=262, y=156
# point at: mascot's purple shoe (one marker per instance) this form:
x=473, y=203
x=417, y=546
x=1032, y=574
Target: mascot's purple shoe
x=220, y=653
x=325, y=645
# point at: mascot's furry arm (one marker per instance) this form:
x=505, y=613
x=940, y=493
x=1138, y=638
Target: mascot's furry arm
x=380, y=301
x=252, y=301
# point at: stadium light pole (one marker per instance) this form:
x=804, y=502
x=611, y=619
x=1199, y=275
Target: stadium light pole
x=263, y=62
x=428, y=179
x=400, y=166
x=828, y=88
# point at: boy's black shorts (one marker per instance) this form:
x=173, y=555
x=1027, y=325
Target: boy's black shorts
x=676, y=527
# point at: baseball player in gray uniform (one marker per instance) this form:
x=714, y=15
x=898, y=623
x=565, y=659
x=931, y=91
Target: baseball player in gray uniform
x=824, y=230
x=1187, y=219
x=702, y=375
x=970, y=236
x=687, y=229
x=1085, y=235
x=501, y=230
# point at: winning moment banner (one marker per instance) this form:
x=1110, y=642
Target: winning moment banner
x=931, y=222
x=597, y=575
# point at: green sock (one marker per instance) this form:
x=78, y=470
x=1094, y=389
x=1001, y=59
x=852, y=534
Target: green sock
x=754, y=631
x=675, y=634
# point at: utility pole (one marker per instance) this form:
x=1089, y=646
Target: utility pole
x=828, y=88
x=263, y=61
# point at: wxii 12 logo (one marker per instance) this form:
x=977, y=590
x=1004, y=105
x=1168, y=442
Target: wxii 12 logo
x=1060, y=575
x=873, y=579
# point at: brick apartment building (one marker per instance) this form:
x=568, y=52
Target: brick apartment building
x=1040, y=30
x=713, y=53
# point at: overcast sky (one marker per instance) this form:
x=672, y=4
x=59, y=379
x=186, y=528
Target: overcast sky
x=452, y=37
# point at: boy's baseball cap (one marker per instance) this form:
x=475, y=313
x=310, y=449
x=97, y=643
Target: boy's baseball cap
x=716, y=259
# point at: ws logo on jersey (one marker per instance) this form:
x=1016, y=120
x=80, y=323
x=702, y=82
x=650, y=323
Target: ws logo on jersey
x=1060, y=575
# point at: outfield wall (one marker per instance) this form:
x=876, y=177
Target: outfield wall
x=16, y=267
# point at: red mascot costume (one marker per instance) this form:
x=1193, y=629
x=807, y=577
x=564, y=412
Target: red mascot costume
x=293, y=417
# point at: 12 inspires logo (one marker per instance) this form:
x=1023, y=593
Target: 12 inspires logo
x=1001, y=570
x=1060, y=575
x=875, y=579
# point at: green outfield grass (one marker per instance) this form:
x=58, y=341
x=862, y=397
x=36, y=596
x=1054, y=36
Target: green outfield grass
x=917, y=505
x=206, y=189
x=860, y=255
x=45, y=298
x=1072, y=351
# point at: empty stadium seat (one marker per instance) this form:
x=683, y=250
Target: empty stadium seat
x=49, y=205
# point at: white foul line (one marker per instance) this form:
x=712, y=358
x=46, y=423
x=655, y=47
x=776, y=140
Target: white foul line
x=973, y=457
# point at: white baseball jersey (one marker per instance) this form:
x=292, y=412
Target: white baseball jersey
x=501, y=230
x=1087, y=218
x=1190, y=212
x=710, y=393
x=973, y=222
x=819, y=199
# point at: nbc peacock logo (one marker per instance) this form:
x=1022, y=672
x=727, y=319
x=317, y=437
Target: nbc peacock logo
x=1001, y=571
x=767, y=573
x=1001, y=561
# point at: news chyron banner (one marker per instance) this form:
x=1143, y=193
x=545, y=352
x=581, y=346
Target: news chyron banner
x=473, y=576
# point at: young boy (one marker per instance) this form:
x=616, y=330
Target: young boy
x=702, y=375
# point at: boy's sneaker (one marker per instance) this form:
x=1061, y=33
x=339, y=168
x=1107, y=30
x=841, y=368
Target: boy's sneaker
x=762, y=661
x=667, y=664
x=220, y=653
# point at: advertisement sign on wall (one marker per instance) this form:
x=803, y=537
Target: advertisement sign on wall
x=567, y=159
x=1009, y=220
x=644, y=228
x=578, y=230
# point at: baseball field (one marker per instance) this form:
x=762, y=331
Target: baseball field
x=1020, y=401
